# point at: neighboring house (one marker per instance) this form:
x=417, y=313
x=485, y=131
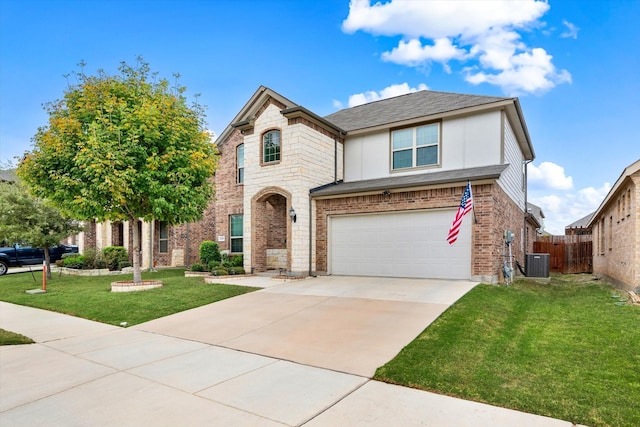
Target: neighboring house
x=616, y=231
x=534, y=225
x=580, y=227
x=369, y=190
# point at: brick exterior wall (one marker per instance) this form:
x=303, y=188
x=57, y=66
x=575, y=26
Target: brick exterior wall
x=616, y=236
x=229, y=194
x=495, y=212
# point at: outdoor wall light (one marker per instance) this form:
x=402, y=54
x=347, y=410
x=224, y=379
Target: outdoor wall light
x=292, y=214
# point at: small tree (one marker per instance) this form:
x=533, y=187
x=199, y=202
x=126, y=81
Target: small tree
x=24, y=218
x=123, y=147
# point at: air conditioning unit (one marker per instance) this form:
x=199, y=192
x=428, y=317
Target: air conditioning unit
x=537, y=265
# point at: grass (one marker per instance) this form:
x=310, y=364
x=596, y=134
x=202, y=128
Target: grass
x=563, y=350
x=11, y=338
x=91, y=297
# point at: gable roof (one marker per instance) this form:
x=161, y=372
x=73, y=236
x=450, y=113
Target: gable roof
x=582, y=222
x=390, y=112
x=429, y=105
x=626, y=173
x=406, y=107
x=250, y=108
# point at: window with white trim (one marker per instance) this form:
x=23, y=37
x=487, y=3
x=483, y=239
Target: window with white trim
x=415, y=147
x=235, y=232
x=240, y=164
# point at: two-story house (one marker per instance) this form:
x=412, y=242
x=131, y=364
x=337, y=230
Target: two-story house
x=370, y=190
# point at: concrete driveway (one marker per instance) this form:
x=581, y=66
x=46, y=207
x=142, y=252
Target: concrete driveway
x=346, y=324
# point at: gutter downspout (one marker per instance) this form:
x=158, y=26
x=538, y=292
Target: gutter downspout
x=335, y=159
x=526, y=212
x=310, y=237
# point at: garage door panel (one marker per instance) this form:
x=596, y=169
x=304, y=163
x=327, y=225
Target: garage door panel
x=400, y=244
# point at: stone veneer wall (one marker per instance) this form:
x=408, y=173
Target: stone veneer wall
x=307, y=161
x=616, y=245
x=495, y=212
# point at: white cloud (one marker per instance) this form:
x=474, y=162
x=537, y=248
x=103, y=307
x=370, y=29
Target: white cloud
x=548, y=176
x=571, y=31
x=552, y=190
x=388, y=92
x=564, y=208
x=484, y=34
x=337, y=104
x=414, y=53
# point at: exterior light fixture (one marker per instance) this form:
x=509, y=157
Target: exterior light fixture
x=292, y=214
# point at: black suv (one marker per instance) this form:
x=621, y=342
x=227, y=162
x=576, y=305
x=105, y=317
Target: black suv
x=17, y=256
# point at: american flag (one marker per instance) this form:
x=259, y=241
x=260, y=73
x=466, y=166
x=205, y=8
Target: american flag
x=466, y=204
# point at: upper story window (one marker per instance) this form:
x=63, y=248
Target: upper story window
x=240, y=164
x=415, y=147
x=271, y=146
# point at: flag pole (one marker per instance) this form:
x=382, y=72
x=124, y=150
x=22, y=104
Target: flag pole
x=473, y=207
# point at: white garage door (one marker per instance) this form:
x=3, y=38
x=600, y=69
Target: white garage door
x=400, y=244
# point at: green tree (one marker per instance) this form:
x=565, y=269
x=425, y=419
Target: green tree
x=24, y=218
x=122, y=148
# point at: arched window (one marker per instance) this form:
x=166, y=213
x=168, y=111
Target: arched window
x=271, y=146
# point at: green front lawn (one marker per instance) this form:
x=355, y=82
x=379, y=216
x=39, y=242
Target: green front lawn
x=11, y=338
x=91, y=297
x=563, y=350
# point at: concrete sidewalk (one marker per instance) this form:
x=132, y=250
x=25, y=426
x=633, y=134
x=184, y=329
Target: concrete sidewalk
x=86, y=373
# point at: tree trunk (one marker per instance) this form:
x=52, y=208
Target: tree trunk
x=137, y=272
x=47, y=259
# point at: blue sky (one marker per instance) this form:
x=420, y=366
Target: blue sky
x=573, y=65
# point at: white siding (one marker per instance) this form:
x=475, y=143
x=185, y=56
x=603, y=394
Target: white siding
x=467, y=142
x=366, y=157
x=512, y=179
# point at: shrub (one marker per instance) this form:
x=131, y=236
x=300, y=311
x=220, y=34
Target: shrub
x=114, y=255
x=197, y=267
x=123, y=264
x=59, y=263
x=237, y=261
x=236, y=270
x=90, y=258
x=219, y=272
x=76, y=262
x=209, y=252
x=214, y=265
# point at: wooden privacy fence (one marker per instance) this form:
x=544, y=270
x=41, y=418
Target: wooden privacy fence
x=567, y=254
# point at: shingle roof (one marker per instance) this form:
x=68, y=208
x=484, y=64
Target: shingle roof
x=409, y=181
x=406, y=107
x=582, y=222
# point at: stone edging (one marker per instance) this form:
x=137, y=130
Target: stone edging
x=76, y=272
x=129, y=286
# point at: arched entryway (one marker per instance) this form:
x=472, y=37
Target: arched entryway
x=271, y=230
